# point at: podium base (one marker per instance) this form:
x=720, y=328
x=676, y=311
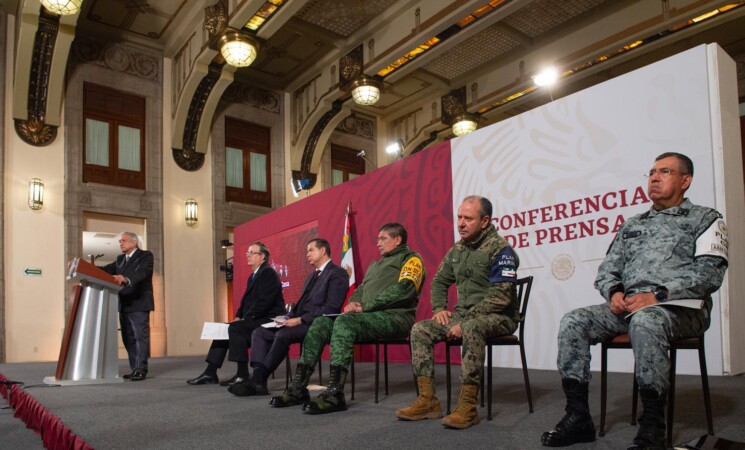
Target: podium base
x=53, y=380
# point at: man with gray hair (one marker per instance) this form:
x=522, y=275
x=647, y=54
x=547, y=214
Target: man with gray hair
x=675, y=250
x=133, y=270
x=483, y=266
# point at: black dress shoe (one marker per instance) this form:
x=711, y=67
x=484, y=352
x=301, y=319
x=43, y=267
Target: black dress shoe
x=203, y=379
x=234, y=380
x=129, y=375
x=247, y=388
x=138, y=375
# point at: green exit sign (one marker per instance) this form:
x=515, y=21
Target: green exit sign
x=28, y=271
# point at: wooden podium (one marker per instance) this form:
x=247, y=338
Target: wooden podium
x=88, y=354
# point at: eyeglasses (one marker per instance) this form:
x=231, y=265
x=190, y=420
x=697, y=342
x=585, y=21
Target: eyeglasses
x=249, y=253
x=664, y=172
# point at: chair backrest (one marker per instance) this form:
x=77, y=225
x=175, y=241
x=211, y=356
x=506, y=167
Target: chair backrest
x=523, y=286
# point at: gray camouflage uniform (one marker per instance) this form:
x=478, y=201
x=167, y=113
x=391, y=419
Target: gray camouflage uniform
x=651, y=250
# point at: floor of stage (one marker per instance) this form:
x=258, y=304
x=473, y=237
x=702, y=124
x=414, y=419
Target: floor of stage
x=163, y=412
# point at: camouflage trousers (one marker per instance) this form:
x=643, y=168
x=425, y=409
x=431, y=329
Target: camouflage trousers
x=426, y=333
x=343, y=331
x=650, y=331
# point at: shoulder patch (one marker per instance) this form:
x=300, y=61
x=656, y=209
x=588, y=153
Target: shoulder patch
x=412, y=270
x=713, y=241
x=504, y=267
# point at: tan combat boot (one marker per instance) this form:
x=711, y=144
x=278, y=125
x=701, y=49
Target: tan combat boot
x=465, y=413
x=426, y=405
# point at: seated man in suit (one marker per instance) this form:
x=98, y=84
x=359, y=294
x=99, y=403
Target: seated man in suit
x=383, y=306
x=324, y=292
x=133, y=270
x=261, y=302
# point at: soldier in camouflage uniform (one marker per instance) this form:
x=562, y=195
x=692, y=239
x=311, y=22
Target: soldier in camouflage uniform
x=383, y=306
x=483, y=266
x=676, y=250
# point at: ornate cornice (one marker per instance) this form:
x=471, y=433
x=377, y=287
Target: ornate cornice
x=358, y=126
x=116, y=57
x=33, y=130
x=215, y=18
x=253, y=96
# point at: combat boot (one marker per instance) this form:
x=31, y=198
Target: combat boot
x=297, y=392
x=426, y=405
x=465, y=413
x=651, y=434
x=332, y=399
x=576, y=426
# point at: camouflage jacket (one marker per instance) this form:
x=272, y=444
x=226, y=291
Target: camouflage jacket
x=683, y=249
x=392, y=282
x=484, y=272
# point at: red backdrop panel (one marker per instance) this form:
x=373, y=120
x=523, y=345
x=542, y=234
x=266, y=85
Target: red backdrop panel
x=415, y=191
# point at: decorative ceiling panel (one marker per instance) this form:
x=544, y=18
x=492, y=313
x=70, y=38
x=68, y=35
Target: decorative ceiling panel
x=475, y=51
x=149, y=19
x=343, y=17
x=544, y=15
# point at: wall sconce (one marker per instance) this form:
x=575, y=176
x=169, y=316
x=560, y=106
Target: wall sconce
x=366, y=90
x=62, y=7
x=190, y=212
x=464, y=124
x=238, y=49
x=396, y=148
x=35, y=194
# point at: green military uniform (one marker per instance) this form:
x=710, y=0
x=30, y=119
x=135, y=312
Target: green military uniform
x=484, y=271
x=388, y=294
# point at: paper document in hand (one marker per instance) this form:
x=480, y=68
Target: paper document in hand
x=692, y=303
x=277, y=322
x=215, y=331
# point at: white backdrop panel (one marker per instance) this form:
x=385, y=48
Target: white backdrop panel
x=572, y=172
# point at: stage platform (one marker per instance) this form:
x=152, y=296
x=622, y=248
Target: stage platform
x=163, y=412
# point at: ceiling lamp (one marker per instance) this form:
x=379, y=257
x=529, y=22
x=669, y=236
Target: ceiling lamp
x=62, y=7
x=238, y=49
x=366, y=90
x=464, y=124
x=547, y=77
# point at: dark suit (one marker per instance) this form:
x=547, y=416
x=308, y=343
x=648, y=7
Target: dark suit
x=135, y=304
x=261, y=302
x=324, y=295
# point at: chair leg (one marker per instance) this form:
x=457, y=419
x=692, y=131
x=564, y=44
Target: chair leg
x=489, y=382
x=288, y=371
x=352, y=377
x=705, y=384
x=603, y=386
x=385, y=361
x=447, y=373
x=671, y=396
x=634, y=400
x=377, y=369
x=525, y=375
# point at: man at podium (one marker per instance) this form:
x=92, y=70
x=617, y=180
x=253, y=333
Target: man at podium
x=133, y=270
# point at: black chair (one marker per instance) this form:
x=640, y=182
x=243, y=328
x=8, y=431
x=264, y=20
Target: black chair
x=377, y=343
x=523, y=286
x=623, y=341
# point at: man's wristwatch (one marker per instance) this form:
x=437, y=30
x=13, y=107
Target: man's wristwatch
x=661, y=294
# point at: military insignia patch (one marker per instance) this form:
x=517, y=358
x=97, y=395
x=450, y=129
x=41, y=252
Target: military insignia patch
x=412, y=270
